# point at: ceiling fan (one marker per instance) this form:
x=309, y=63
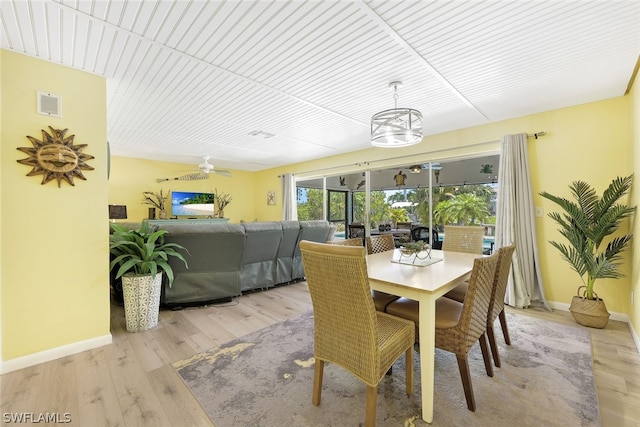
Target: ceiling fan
x=204, y=170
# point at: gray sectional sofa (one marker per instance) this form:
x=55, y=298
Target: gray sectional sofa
x=226, y=260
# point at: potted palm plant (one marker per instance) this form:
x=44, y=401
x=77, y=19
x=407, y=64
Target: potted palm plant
x=141, y=256
x=585, y=223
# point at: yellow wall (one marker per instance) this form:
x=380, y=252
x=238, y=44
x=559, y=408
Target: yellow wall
x=130, y=177
x=591, y=142
x=54, y=278
x=634, y=310
x=54, y=281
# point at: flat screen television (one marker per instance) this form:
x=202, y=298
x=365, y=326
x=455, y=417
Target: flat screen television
x=192, y=204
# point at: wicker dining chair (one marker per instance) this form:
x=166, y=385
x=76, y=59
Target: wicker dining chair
x=376, y=244
x=380, y=243
x=348, y=331
x=468, y=239
x=496, y=305
x=460, y=325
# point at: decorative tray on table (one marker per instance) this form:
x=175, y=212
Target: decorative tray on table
x=415, y=253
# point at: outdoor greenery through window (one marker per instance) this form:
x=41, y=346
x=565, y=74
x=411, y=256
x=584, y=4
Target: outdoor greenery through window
x=456, y=205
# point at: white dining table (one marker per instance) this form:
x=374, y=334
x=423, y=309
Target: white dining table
x=423, y=283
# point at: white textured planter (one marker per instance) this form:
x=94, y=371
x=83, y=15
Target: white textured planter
x=141, y=301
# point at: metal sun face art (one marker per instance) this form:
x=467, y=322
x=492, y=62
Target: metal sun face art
x=55, y=157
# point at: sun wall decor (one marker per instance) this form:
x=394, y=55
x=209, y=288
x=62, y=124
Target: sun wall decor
x=55, y=157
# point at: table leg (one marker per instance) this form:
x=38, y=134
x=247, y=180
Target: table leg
x=427, y=353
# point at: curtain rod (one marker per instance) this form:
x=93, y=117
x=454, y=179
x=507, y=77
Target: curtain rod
x=535, y=135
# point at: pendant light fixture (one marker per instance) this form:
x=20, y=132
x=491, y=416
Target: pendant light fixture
x=398, y=127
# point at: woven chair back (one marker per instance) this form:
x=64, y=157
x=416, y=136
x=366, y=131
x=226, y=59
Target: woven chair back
x=473, y=320
x=345, y=320
x=496, y=305
x=381, y=243
x=468, y=239
x=356, y=241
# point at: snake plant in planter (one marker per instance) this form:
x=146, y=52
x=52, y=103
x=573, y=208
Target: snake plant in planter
x=585, y=223
x=141, y=256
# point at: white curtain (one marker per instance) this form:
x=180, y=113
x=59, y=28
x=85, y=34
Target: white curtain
x=289, y=205
x=515, y=222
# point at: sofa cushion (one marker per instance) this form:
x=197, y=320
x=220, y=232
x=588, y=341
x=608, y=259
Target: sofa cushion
x=286, y=251
x=258, y=265
x=214, y=256
x=314, y=231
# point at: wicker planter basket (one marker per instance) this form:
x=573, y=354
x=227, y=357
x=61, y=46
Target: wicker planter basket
x=592, y=313
x=141, y=301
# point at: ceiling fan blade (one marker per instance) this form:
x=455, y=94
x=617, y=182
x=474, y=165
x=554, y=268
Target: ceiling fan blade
x=222, y=172
x=196, y=176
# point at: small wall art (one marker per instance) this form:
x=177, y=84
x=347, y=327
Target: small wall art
x=271, y=197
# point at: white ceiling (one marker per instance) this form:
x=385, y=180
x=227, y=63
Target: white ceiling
x=193, y=78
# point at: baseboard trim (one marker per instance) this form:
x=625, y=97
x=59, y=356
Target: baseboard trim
x=54, y=353
x=621, y=317
x=634, y=335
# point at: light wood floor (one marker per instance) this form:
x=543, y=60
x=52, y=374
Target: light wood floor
x=131, y=382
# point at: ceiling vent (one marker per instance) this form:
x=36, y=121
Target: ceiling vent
x=261, y=133
x=49, y=104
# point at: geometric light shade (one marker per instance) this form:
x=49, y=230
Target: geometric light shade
x=397, y=127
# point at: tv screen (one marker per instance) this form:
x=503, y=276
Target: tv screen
x=184, y=203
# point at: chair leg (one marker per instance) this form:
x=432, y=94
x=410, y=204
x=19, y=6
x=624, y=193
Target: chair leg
x=317, y=382
x=372, y=400
x=463, y=366
x=505, y=329
x=485, y=354
x=409, y=370
x=494, y=346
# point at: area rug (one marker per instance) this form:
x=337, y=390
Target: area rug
x=265, y=379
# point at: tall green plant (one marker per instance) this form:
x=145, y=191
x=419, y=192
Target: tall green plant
x=379, y=211
x=585, y=223
x=462, y=209
x=312, y=207
x=142, y=251
x=399, y=215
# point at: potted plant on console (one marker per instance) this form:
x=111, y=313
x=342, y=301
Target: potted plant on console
x=141, y=256
x=222, y=200
x=157, y=200
x=585, y=224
